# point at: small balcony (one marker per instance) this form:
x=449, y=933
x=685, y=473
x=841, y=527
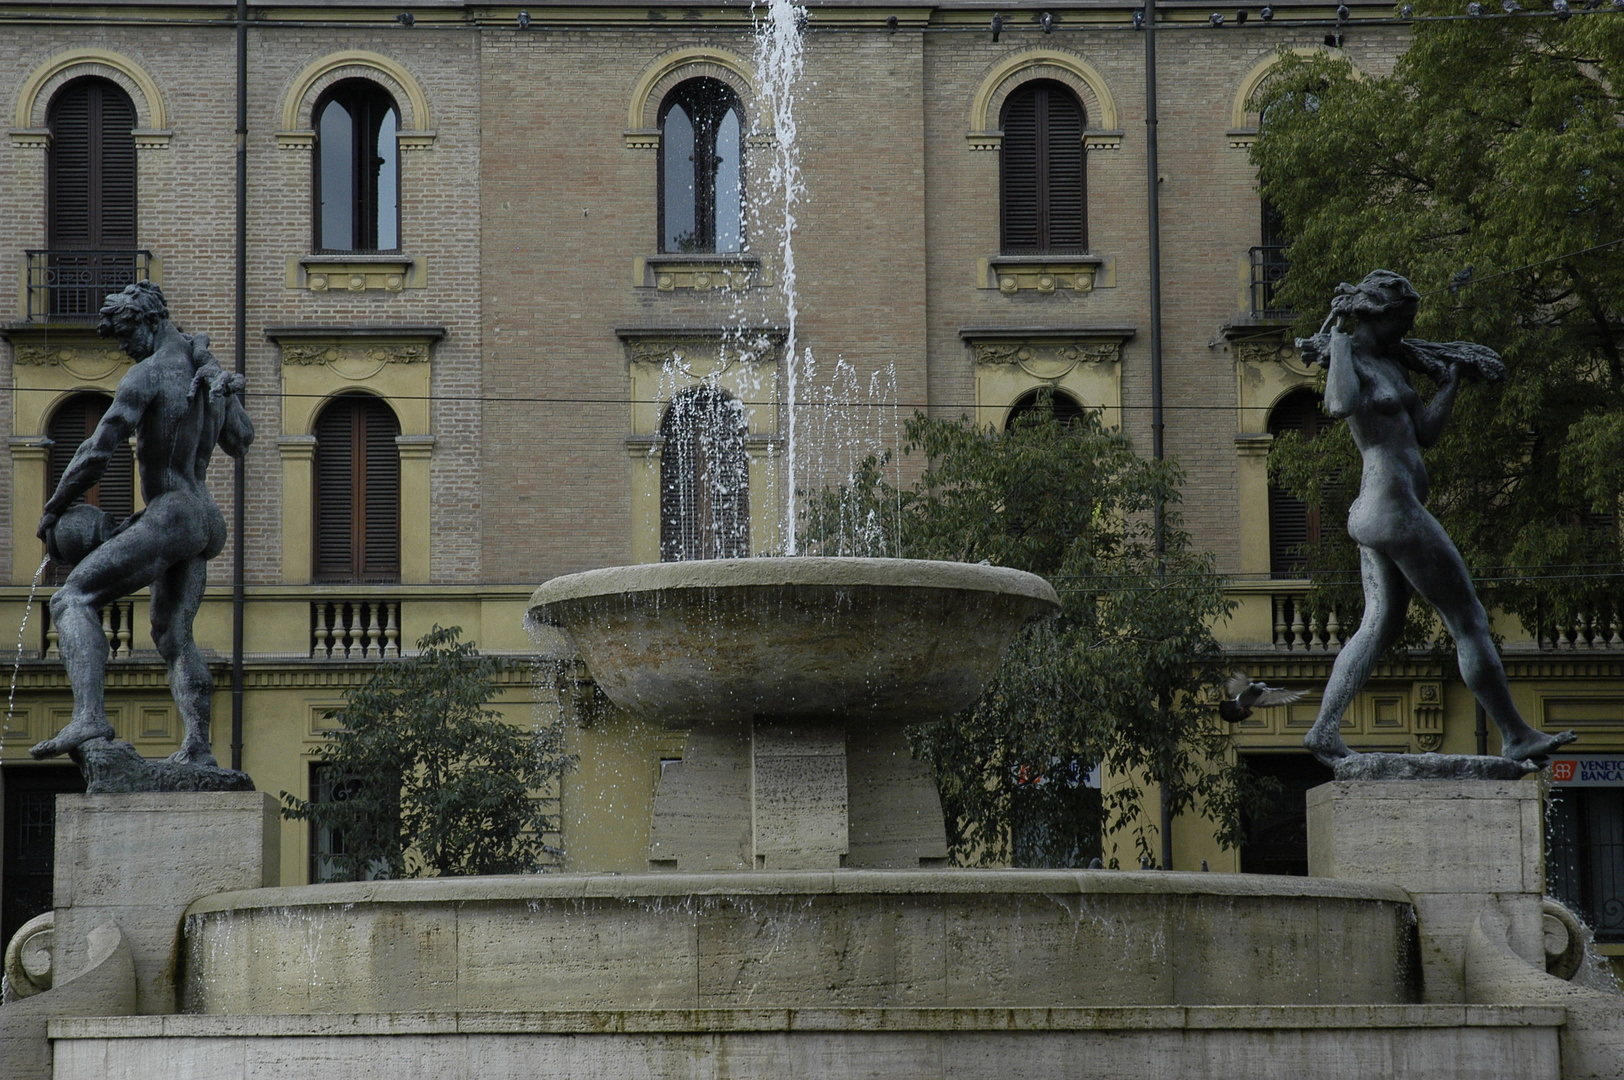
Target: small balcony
x=1269, y=266
x=70, y=286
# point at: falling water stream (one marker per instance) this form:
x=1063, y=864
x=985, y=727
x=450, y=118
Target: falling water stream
x=779, y=63
x=22, y=630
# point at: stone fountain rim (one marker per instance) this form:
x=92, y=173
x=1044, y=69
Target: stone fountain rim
x=800, y=571
x=1054, y=884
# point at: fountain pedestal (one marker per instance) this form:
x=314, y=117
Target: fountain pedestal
x=796, y=793
x=796, y=680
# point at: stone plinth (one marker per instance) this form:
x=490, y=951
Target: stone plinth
x=139, y=859
x=1453, y=845
x=1396, y=1042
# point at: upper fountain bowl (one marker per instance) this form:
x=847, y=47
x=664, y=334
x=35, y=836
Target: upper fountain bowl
x=896, y=639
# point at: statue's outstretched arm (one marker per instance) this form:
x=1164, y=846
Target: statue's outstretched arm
x=90, y=460
x=1342, y=387
x=1431, y=417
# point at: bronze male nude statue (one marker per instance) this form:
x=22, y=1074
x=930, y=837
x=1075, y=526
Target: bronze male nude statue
x=179, y=403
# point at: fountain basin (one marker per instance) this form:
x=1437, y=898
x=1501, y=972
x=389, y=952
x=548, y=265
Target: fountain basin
x=899, y=639
x=984, y=939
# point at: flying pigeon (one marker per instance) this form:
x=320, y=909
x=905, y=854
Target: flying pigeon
x=1244, y=695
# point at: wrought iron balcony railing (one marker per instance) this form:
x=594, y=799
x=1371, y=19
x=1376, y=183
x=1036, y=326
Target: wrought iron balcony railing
x=70, y=286
x=1269, y=265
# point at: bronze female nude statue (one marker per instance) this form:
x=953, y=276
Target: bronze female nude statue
x=1402, y=548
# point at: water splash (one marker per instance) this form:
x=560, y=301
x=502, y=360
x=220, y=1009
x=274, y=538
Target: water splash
x=17, y=664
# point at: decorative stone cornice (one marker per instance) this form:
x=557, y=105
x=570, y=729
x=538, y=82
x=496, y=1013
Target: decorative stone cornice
x=355, y=273
x=1271, y=346
x=1043, y=352
x=70, y=356
x=712, y=347
x=354, y=352
x=355, y=349
x=1011, y=274
x=670, y=273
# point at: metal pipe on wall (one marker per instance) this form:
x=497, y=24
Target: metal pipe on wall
x=239, y=509
x=1154, y=241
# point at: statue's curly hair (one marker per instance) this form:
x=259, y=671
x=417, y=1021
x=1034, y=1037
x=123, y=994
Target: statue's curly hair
x=1382, y=292
x=143, y=297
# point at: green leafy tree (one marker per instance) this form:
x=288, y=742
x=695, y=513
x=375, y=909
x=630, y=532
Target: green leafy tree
x=1489, y=169
x=1121, y=677
x=427, y=780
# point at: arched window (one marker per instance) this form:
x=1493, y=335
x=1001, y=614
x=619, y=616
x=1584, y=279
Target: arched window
x=1066, y=408
x=357, y=491
x=1291, y=523
x=90, y=196
x=74, y=422
x=357, y=183
x=701, y=176
x=704, y=479
x=1043, y=179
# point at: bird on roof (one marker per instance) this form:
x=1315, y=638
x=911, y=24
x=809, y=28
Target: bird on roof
x=1243, y=695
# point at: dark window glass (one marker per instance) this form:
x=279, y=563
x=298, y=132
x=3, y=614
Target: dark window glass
x=357, y=491
x=1291, y=523
x=1066, y=408
x=1043, y=173
x=357, y=169
x=73, y=422
x=1277, y=835
x=1584, y=860
x=704, y=479
x=28, y=869
x=701, y=172
x=330, y=849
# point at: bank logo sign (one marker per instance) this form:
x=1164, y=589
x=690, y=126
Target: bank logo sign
x=1589, y=770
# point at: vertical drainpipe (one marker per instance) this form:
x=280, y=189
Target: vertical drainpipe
x=239, y=496
x=1154, y=224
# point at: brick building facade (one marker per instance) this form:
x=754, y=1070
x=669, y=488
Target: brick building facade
x=517, y=328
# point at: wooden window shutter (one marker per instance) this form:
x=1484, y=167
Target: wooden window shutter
x=1019, y=167
x=75, y=422
x=380, y=554
x=357, y=492
x=1043, y=173
x=1291, y=522
x=91, y=186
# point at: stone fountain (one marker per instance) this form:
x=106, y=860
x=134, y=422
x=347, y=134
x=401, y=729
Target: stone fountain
x=797, y=920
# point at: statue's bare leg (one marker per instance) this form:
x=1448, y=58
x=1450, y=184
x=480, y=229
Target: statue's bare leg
x=1440, y=576
x=1387, y=599
x=115, y=569
x=176, y=595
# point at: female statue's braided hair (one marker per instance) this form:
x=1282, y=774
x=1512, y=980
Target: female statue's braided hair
x=1383, y=292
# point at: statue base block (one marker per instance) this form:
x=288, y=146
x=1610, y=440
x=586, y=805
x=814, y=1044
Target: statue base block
x=1455, y=846
x=116, y=768
x=139, y=860
x=1431, y=767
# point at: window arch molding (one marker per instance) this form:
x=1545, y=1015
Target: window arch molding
x=298, y=107
x=673, y=69
x=151, y=117
x=1013, y=72
x=1243, y=120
